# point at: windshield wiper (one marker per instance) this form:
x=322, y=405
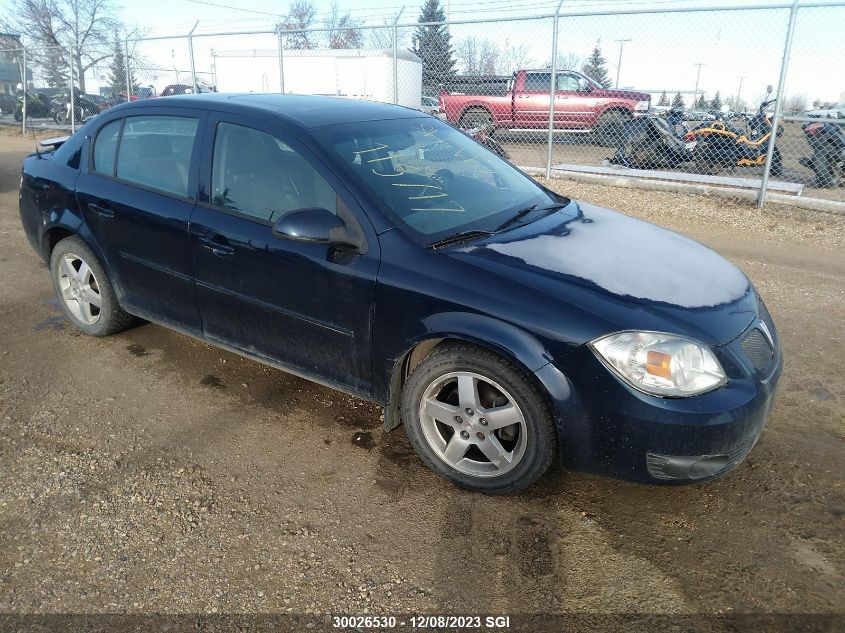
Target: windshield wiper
x=521, y=214
x=463, y=236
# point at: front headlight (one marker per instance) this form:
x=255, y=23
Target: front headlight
x=661, y=364
x=642, y=106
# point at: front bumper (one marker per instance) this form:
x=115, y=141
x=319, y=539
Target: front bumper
x=607, y=427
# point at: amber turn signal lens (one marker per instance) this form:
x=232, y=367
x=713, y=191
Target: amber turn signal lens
x=659, y=364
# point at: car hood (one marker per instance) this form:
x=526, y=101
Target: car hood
x=623, y=273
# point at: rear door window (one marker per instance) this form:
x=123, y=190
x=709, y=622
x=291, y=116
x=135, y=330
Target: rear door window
x=538, y=82
x=155, y=152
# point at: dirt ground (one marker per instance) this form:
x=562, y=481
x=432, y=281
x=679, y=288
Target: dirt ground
x=148, y=472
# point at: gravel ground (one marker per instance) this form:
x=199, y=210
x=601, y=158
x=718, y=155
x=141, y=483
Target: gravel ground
x=148, y=472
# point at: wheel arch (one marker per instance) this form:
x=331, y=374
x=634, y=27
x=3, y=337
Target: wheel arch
x=511, y=344
x=476, y=106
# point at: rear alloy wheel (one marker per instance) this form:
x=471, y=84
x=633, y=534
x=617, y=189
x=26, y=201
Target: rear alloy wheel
x=475, y=420
x=84, y=291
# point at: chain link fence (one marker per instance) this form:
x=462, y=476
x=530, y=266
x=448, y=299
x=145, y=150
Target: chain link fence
x=744, y=97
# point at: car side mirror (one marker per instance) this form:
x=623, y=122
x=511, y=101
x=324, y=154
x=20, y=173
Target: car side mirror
x=584, y=85
x=315, y=225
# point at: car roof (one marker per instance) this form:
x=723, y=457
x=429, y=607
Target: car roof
x=305, y=110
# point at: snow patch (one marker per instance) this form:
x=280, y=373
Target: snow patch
x=633, y=258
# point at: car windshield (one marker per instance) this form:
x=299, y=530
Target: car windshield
x=431, y=178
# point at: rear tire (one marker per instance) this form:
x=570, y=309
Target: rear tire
x=475, y=117
x=84, y=290
x=477, y=420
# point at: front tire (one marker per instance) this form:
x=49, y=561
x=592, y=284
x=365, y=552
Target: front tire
x=609, y=130
x=84, y=290
x=476, y=419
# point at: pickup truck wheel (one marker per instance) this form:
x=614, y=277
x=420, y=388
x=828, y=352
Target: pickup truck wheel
x=475, y=117
x=476, y=420
x=608, y=132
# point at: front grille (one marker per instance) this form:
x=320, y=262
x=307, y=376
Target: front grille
x=767, y=318
x=758, y=350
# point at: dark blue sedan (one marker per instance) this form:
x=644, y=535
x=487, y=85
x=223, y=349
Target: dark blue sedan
x=384, y=253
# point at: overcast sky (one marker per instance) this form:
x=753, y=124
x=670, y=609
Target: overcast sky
x=663, y=51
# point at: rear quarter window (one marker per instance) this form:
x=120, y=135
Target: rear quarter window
x=105, y=147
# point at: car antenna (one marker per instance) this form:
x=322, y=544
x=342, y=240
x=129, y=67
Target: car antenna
x=37, y=151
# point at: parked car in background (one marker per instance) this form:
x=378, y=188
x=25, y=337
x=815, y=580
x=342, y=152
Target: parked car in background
x=580, y=104
x=185, y=89
x=430, y=105
x=384, y=253
x=698, y=115
x=834, y=112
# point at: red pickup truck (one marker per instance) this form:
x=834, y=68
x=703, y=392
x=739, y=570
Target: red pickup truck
x=580, y=104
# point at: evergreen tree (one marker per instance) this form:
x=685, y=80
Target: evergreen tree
x=701, y=104
x=663, y=100
x=117, y=71
x=716, y=102
x=596, y=67
x=678, y=101
x=432, y=45
x=56, y=73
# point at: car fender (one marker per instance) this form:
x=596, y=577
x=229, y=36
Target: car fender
x=511, y=342
x=619, y=105
x=70, y=221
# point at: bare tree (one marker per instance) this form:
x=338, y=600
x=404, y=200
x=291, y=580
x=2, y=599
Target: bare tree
x=383, y=37
x=84, y=29
x=796, y=103
x=514, y=58
x=477, y=57
x=346, y=31
x=301, y=16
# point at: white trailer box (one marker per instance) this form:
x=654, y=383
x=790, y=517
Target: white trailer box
x=355, y=74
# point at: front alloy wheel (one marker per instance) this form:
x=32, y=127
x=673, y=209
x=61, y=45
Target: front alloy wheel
x=473, y=424
x=478, y=420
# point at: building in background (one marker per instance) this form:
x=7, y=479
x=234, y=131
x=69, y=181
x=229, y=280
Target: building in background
x=351, y=73
x=11, y=63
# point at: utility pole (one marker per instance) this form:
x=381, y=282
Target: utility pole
x=739, y=92
x=697, y=75
x=619, y=65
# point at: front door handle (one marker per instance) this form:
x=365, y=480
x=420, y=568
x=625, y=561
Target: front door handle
x=101, y=210
x=216, y=244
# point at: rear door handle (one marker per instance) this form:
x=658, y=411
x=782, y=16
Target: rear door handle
x=216, y=244
x=102, y=211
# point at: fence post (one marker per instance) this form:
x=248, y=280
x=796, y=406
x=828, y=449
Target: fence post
x=23, y=82
x=280, y=44
x=72, y=94
x=191, y=53
x=396, y=56
x=126, y=59
x=784, y=65
x=552, y=92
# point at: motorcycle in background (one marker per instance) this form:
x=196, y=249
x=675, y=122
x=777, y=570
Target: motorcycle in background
x=37, y=106
x=653, y=141
x=827, y=140
x=719, y=144
x=85, y=107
